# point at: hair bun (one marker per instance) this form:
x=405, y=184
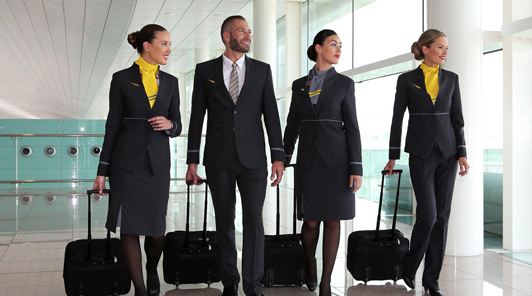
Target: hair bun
x=416, y=50
x=311, y=53
x=132, y=39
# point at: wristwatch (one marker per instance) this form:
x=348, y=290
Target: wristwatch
x=171, y=125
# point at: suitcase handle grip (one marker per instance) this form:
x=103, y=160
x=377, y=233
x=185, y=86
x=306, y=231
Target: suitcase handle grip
x=96, y=191
x=199, y=182
x=393, y=171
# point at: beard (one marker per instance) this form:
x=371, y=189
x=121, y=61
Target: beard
x=235, y=45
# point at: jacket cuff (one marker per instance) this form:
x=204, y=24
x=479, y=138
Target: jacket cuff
x=192, y=156
x=355, y=169
x=277, y=154
x=395, y=153
x=103, y=169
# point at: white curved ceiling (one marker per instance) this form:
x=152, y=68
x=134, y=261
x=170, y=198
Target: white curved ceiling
x=58, y=56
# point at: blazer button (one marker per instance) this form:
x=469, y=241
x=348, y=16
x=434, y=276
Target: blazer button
x=235, y=111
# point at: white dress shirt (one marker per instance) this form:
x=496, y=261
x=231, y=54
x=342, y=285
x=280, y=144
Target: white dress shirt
x=240, y=69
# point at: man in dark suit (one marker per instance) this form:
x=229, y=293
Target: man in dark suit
x=237, y=92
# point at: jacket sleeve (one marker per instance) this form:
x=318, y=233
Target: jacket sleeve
x=197, y=116
x=271, y=119
x=174, y=114
x=352, y=132
x=457, y=120
x=399, y=108
x=291, y=131
x=112, y=126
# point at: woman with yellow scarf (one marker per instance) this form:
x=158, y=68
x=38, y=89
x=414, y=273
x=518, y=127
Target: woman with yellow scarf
x=143, y=115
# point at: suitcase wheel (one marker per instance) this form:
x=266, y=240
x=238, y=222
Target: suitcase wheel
x=300, y=277
x=269, y=278
x=367, y=272
x=396, y=273
x=209, y=282
x=176, y=279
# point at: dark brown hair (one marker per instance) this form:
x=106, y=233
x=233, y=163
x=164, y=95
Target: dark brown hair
x=426, y=39
x=227, y=25
x=147, y=33
x=318, y=39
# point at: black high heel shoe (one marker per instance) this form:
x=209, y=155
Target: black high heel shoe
x=155, y=292
x=311, y=286
x=410, y=282
x=434, y=292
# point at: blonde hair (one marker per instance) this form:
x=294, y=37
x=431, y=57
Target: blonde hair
x=426, y=39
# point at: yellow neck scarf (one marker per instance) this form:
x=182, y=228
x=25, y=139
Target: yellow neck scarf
x=431, y=80
x=149, y=80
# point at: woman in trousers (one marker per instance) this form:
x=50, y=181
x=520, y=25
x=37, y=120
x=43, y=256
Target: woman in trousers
x=143, y=114
x=436, y=144
x=329, y=162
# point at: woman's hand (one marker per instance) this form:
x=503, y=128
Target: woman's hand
x=389, y=167
x=99, y=184
x=464, y=166
x=355, y=181
x=160, y=123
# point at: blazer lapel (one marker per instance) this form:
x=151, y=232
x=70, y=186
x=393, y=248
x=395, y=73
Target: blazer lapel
x=420, y=81
x=247, y=79
x=323, y=98
x=136, y=77
x=219, y=70
x=162, y=92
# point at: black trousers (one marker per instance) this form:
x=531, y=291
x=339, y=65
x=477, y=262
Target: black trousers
x=252, y=185
x=433, y=182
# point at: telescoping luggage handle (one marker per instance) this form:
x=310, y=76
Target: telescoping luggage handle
x=278, y=216
x=187, y=229
x=384, y=172
x=89, y=235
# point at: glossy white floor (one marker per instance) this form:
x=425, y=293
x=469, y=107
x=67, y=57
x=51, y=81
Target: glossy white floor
x=31, y=258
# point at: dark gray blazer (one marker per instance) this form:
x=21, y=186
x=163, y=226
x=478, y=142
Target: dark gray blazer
x=330, y=130
x=128, y=134
x=441, y=124
x=234, y=130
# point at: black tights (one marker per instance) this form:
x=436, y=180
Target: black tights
x=153, y=246
x=310, y=233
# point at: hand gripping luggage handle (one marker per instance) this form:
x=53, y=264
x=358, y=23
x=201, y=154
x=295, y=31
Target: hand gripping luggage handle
x=384, y=172
x=89, y=235
x=187, y=229
x=278, y=215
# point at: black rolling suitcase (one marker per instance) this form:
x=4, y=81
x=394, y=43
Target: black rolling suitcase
x=378, y=254
x=95, y=267
x=191, y=257
x=284, y=258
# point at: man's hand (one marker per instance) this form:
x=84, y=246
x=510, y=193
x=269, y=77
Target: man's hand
x=99, y=184
x=192, y=173
x=277, y=169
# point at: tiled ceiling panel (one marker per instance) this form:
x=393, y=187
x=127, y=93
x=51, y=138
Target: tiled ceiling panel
x=61, y=54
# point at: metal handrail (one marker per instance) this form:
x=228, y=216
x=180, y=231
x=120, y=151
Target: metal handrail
x=62, y=181
x=62, y=135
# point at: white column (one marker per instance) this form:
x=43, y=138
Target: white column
x=461, y=22
x=517, y=124
x=293, y=41
x=183, y=103
x=264, y=32
x=201, y=55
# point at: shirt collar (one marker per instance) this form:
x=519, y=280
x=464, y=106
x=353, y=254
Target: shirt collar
x=240, y=62
x=427, y=69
